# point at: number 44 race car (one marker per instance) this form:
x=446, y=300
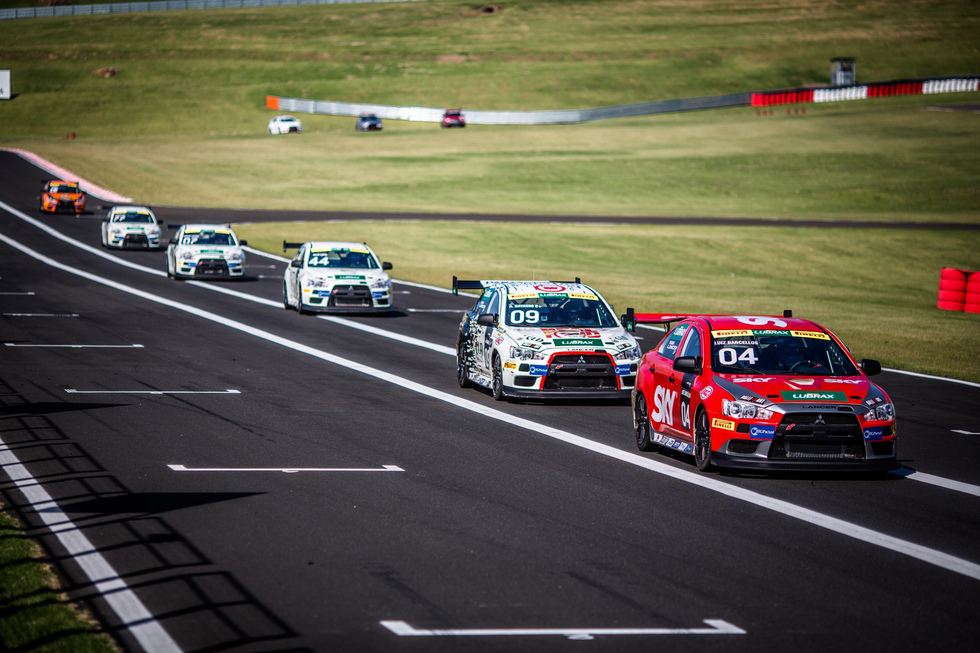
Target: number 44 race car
x=761, y=393
x=542, y=339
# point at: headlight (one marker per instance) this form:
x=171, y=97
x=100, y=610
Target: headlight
x=381, y=284
x=116, y=231
x=186, y=255
x=742, y=410
x=237, y=256
x=315, y=282
x=525, y=354
x=880, y=413
x=153, y=231
x=628, y=354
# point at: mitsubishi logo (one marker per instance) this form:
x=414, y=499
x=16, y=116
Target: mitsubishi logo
x=820, y=420
x=581, y=359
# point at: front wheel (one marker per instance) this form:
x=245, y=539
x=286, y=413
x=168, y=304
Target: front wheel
x=462, y=367
x=497, y=380
x=285, y=297
x=702, y=441
x=641, y=424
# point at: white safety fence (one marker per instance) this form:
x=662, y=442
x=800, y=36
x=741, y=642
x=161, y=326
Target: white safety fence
x=163, y=5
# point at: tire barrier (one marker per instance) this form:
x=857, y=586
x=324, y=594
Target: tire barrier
x=961, y=84
x=959, y=290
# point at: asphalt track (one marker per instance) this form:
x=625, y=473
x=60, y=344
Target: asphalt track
x=225, y=475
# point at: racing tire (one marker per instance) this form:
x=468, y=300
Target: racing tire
x=641, y=424
x=285, y=297
x=702, y=442
x=462, y=368
x=497, y=380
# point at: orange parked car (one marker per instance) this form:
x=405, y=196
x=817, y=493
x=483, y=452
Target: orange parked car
x=62, y=196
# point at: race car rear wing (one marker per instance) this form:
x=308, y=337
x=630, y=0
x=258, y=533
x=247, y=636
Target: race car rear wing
x=286, y=246
x=631, y=318
x=480, y=284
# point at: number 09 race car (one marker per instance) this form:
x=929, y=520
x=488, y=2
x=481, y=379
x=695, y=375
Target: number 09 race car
x=543, y=339
x=336, y=277
x=205, y=250
x=761, y=393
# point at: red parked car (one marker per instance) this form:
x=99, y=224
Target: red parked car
x=760, y=393
x=453, y=118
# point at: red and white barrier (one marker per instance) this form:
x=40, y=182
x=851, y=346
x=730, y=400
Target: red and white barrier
x=865, y=91
x=959, y=290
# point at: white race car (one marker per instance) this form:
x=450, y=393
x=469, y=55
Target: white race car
x=205, y=250
x=131, y=226
x=285, y=125
x=543, y=339
x=336, y=277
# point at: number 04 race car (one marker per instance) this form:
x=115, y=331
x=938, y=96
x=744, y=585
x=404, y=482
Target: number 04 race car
x=761, y=393
x=542, y=339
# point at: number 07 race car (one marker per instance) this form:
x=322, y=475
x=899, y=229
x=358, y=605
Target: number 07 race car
x=542, y=339
x=761, y=393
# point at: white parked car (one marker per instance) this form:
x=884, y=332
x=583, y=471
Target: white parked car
x=285, y=125
x=205, y=250
x=544, y=339
x=131, y=227
x=336, y=277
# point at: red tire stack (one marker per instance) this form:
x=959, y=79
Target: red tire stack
x=971, y=301
x=952, y=289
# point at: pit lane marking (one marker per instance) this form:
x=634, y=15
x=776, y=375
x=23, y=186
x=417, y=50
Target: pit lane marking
x=716, y=627
x=938, y=481
x=16, y=344
x=287, y=470
x=229, y=391
x=19, y=294
x=806, y=515
x=965, y=432
x=40, y=315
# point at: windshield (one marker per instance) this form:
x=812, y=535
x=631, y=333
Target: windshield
x=807, y=353
x=342, y=258
x=64, y=188
x=207, y=238
x=559, y=310
x=132, y=216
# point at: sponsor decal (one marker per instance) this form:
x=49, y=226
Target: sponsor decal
x=663, y=405
x=735, y=333
x=510, y=366
x=622, y=370
x=570, y=333
x=539, y=370
x=874, y=433
x=873, y=401
x=577, y=342
x=575, y=295
x=723, y=424
x=762, y=431
x=755, y=379
x=819, y=335
x=706, y=392
x=359, y=277
x=552, y=295
x=498, y=340
x=762, y=321
x=813, y=395
x=549, y=287
x=667, y=441
x=522, y=295
x=685, y=393
x=851, y=381
x=754, y=400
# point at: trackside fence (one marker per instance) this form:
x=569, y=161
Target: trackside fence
x=163, y=5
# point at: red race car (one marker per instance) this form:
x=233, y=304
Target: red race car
x=62, y=196
x=762, y=393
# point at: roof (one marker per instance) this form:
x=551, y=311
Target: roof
x=329, y=245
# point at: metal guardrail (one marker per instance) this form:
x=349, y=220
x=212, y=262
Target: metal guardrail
x=556, y=117
x=163, y=5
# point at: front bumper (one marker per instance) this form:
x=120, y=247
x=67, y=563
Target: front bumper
x=134, y=241
x=346, y=299
x=215, y=268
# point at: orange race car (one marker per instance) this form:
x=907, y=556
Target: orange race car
x=62, y=196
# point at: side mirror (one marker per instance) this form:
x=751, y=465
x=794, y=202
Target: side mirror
x=173, y=241
x=487, y=319
x=628, y=320
x=870, y=367
x=243, y=243
x=386, y=265
x=296, y=263
x=688, y=364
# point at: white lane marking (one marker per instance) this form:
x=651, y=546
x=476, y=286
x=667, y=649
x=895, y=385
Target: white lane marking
x=40, y=314
x=840, y=526
x=16, y=344
x=127, y=606
x=287, y=470
x=938, y=481
x=153, y=392
x=436, y=310
x=17, y=293
x=409, y=340
x=965, y=432
x=930, y=376
x=716, y=627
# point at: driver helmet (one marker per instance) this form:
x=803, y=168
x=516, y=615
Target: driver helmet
x=790, y=351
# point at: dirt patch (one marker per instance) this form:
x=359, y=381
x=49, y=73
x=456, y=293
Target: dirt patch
x=106, y=72
x=451, y=58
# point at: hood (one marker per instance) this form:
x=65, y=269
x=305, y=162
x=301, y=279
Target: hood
x=611, y=339
x=796, y=389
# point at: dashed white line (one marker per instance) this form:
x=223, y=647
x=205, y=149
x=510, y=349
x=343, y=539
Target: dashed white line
x=19, y=344
x=153, y=392
x=40, y=314
x=287, y=470
x=715, y=627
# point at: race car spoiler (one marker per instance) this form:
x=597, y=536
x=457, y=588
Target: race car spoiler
x=287, y=245
x=480, y=284
x=631, y=318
